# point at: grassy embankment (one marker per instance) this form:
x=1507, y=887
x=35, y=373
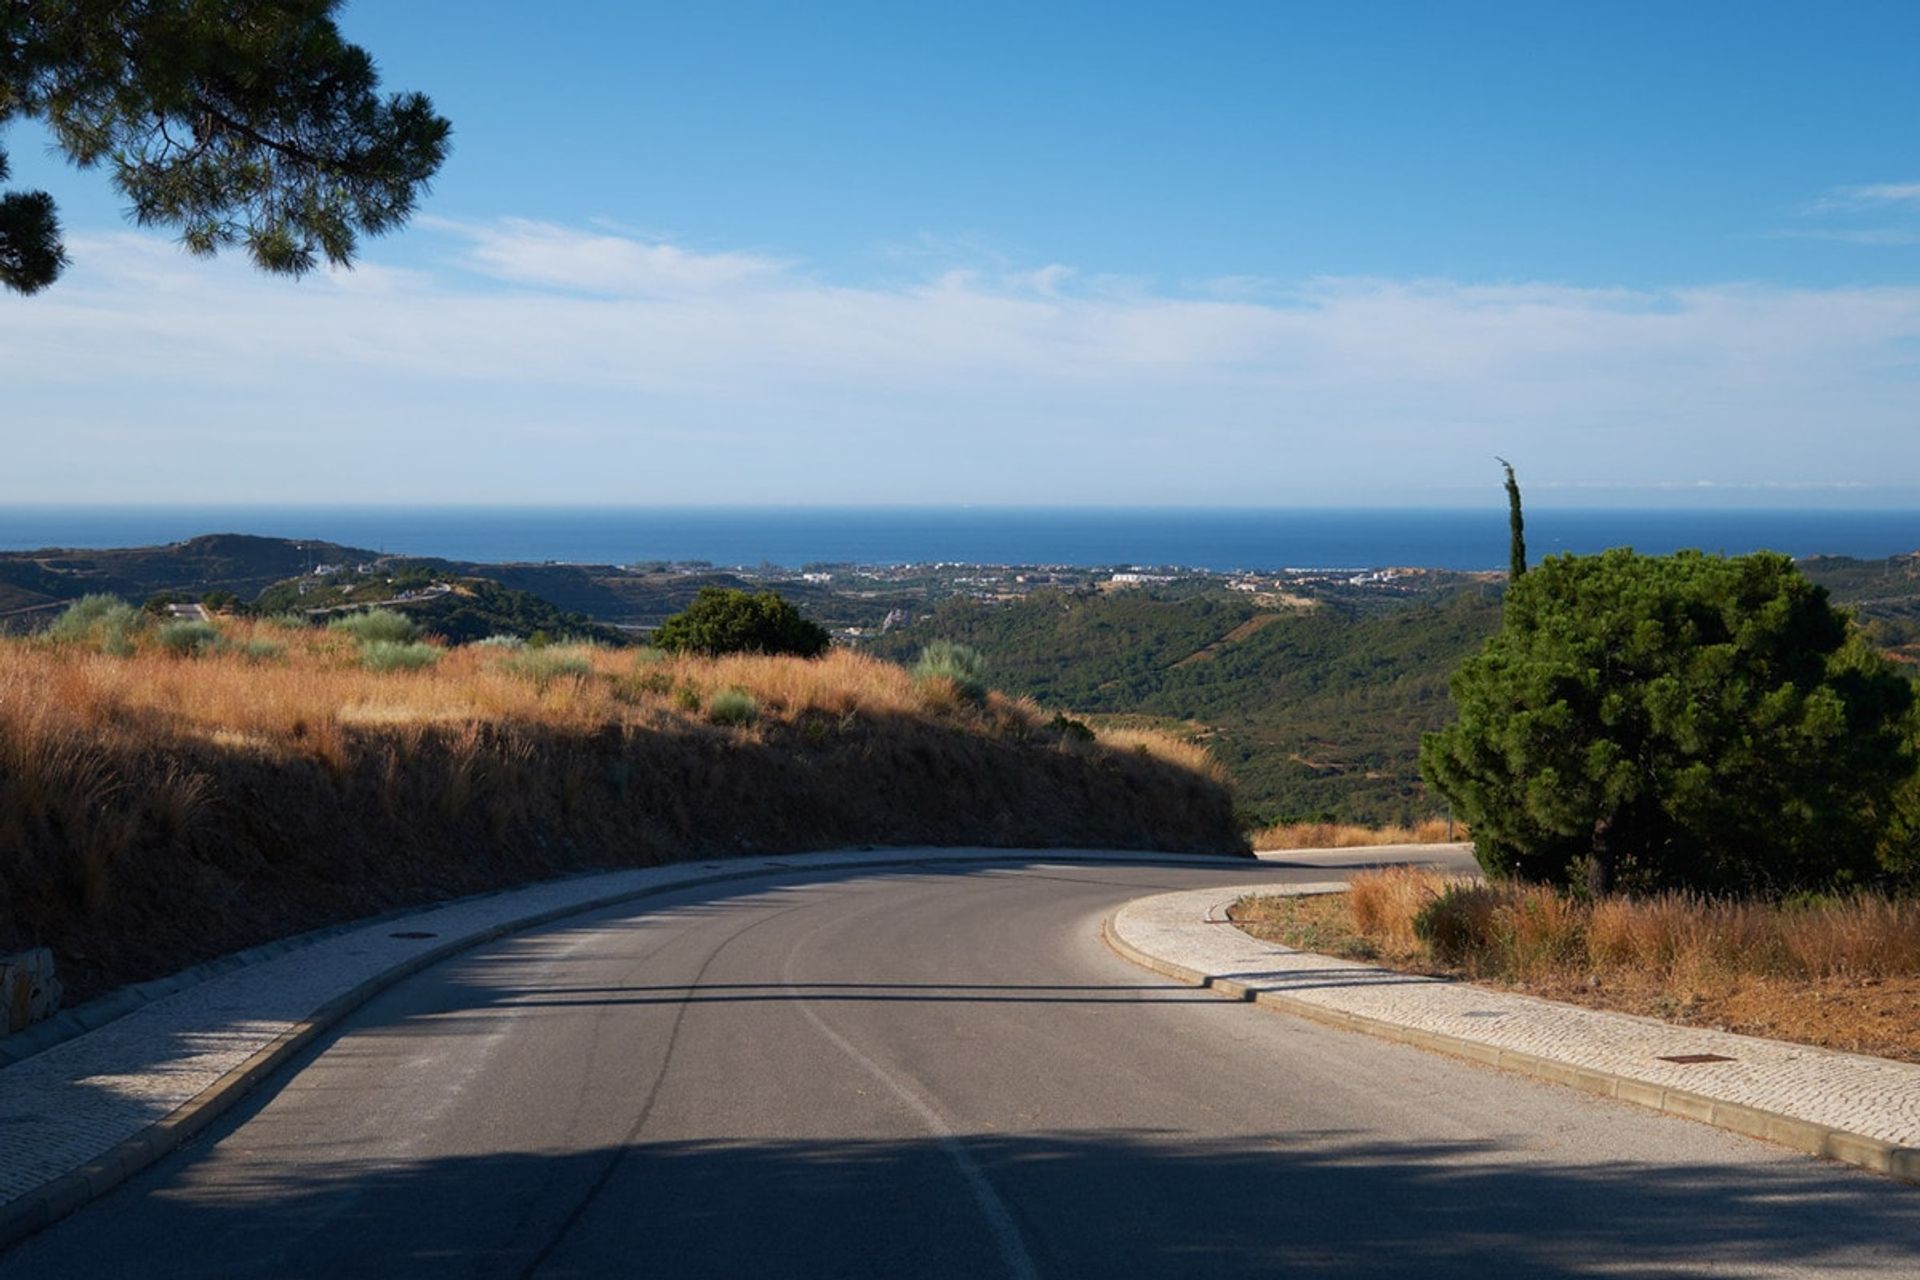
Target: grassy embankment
x=1346, y=835
x=1843, y=973
x=166, y=796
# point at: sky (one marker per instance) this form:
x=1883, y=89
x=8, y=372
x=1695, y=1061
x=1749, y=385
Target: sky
x=1238, y=254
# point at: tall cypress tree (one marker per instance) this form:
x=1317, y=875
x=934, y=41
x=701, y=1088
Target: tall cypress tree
x=1516, y=526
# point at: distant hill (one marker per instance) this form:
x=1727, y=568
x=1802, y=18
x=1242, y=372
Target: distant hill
x=38, y=582
x=1316, y=711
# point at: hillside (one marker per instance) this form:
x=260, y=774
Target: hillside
x=158, y=808
x=1315, y=712
x=36, y=583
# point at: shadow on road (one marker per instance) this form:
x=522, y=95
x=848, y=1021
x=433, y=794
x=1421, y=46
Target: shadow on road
x=1308, y=1204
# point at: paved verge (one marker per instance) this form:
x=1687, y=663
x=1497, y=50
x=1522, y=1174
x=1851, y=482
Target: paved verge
x=1862, y=1110
x=82, y=1116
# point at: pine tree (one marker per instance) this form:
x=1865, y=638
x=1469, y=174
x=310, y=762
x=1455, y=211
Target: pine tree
x=239, y=122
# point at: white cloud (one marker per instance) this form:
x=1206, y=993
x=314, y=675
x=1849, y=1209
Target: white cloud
x=1876, y=193
x=541, y=254
x=675, y=373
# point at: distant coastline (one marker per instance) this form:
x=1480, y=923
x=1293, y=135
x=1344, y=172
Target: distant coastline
x=1222, y=540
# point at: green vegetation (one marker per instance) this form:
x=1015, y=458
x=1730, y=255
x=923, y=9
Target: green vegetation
x=256, y=649
x=248, y=123
x=103, y=620
x=1684, y=721
x=376, y=625
x=1316, y=712
x=722, y=621
x=187, y=639
x=1516, y=526
x=545, y=665
x=397, y=655
x=958, y=663
x=733, y=707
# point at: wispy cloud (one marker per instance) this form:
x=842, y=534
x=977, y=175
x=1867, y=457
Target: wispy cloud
x=548, y=363
x=1838, y=216
x=1868, y=196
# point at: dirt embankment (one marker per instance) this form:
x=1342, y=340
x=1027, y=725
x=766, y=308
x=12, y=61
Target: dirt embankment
x=156, y=812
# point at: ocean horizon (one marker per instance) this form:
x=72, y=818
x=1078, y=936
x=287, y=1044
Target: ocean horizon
x=1220, y=539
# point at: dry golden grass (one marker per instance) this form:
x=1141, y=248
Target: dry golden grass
x=1841, y=972
x=155, y=808
x=1341, y=835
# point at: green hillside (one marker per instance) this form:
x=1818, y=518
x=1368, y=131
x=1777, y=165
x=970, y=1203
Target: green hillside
x=1316, y=712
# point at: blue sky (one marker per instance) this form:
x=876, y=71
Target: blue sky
x=1247, y=254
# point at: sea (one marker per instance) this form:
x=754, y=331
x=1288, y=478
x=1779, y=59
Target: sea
x=1222, y=539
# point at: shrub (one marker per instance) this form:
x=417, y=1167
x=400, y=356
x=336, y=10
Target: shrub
x=733, y=706
x=687, y=698
x=1069, y=729
x=105, y=620
x=945, y=660
x=500, y=642
x=544, y=666
x=397, y=655
x=721, y=621
x=1684, y=721
x=1459, y=924
x=187, y=639
x=387, y=625
x=257, y=649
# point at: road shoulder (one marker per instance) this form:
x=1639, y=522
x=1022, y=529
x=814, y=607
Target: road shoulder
x=1865, y=1111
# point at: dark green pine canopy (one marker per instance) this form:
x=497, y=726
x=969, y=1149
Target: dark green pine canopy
x=240, y=122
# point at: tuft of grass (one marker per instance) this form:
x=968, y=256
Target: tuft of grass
x=256, y=648
x=544, y=666
x=500, y=642
x=957, y=665
x=387, y=625
x=395, y=655
x=733, y=707
x=187, y=639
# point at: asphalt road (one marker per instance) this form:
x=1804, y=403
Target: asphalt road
x=933, y=1073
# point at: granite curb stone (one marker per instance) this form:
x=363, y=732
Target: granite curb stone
x=1865, y=1111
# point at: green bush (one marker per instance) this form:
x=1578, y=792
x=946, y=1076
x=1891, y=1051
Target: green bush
x=733, y=706
x=397, y=655
x=105, y=620
x=687, y=698
x=1675, y=722
x=500, y=642
x=388, y=625
x=943, y=659
x=721, y=620
x=188, y=639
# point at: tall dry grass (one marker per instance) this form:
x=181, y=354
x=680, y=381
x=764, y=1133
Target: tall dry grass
x=1535, y=932
x=157, y=805
x=1344, y=835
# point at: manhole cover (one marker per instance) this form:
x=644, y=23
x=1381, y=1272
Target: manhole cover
x=413, y=933
x=1688, y=1059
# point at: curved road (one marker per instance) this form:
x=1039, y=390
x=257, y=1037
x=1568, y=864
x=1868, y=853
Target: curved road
x=932, y=1072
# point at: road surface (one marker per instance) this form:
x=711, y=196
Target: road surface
x=933, y=1072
